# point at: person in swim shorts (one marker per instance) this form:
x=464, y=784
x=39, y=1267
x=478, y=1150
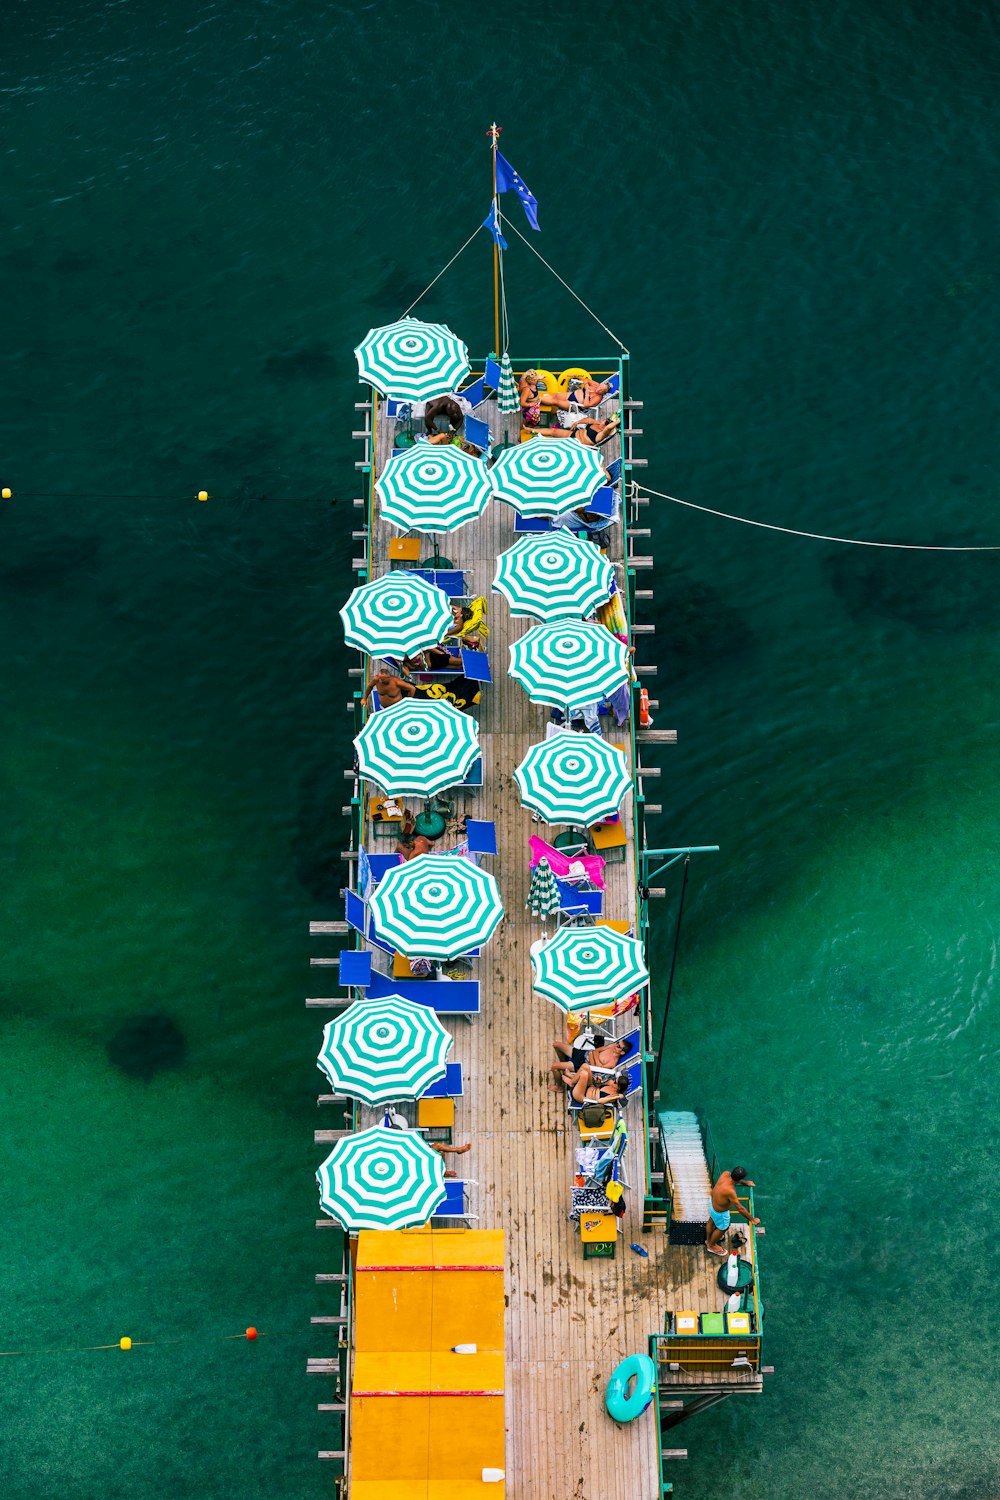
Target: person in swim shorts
x=724, y=1204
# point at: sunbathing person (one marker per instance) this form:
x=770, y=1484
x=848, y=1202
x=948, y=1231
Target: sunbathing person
x=391, y=689
x=413, y=847
x=534, y=392
x=444, y=657
x=603, y=1053
x=585, y=392
x=591, y=431
x=450, y=1151
x=584, y=1087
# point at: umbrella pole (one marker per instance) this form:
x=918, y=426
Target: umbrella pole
x=494, y=134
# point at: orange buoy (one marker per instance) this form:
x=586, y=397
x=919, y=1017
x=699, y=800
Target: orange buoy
x=251, y=1333
x=645, y=719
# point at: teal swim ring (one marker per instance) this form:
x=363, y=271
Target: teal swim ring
x=622, y=1404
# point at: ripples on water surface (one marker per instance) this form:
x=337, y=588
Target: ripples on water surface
x=788, y=217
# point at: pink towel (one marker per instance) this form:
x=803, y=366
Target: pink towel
x=593, y=864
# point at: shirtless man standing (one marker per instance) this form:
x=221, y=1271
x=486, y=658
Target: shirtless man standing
x=390, y=689
x=724, y=1204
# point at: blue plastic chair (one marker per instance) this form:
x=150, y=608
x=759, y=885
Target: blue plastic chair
x=481, y=835
x=477, y=432
x=451, y=1086
x=475, y=394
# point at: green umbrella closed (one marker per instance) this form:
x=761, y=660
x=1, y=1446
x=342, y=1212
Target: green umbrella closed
x=553, y=575
x=396, y=615
x=569, y=662
x=543, y=893
x=412, y=359
x=433, y=487
x=417, y=746
x=381, y=1179
x=383, y=1050
x=507, y=397
x=573, y=778
x=586, y=966
x=436, y=906
x=547, y=476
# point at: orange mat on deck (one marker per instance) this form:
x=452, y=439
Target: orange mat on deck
x=427, y=1421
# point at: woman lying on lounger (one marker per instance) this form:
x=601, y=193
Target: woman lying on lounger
x=581, y=393
x=583, y=1086
x=590, y=431
x=442, y=658
x=602, y=1056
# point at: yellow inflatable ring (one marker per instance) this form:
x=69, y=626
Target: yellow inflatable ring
x=551, y=384
x=574, y=373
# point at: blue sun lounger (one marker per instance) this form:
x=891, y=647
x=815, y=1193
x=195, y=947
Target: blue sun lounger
x=448, y=997
x=452, y=1206
x=451, y=1086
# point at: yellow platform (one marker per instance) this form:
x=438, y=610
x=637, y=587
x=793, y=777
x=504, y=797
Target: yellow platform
x=442, y=1374
x=424, y=1249
x=425, y=1489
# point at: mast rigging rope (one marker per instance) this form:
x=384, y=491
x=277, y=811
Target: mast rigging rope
x=815, y=536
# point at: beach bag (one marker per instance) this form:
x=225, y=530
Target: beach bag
x=594, y=1114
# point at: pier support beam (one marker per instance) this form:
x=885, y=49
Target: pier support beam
x=700, y=1403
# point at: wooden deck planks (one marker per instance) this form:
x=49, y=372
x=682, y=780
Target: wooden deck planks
x=569, y=1322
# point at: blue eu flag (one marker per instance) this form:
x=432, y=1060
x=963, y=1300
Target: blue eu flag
x=492, y=223
x=507, y=179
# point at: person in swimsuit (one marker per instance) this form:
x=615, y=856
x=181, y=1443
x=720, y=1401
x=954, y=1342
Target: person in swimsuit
x=442, y=658
x=591, y=431
x=587, y=392
x=604, y=1055
x=443, y=418
x=412, y=848
x=724, y=1204
x=391, y=689
x=584, y=1087
x=581, y=393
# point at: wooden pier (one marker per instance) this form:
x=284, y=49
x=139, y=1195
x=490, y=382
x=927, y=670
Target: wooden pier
x=569, y=1321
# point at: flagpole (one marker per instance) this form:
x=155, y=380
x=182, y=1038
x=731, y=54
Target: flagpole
x=494, y=133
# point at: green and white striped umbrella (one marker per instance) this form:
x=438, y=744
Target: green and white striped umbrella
x=553, y=575
x=436, y=906
x=507, y=397
x=383, y=1050
x=569, y=662
x=381, y=1179
x=396, y=615
x=543, y=893
x=412, y=360
x=573, y=778
x=547, y=476
x=417, y=746
x=433, y=487
x=585, y=966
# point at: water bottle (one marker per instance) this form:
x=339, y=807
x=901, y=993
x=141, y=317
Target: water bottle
x=639, y=1250
x=464, y=1349
x=733, y=1305
x=733, y=1270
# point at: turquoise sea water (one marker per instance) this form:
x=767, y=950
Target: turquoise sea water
x=788, y=215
